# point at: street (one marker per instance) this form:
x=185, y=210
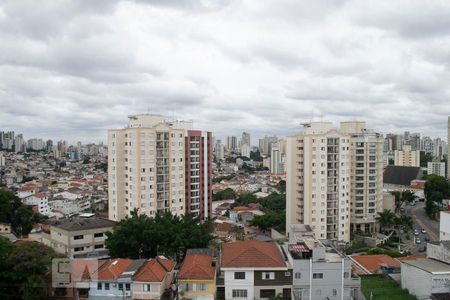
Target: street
x=421, y=220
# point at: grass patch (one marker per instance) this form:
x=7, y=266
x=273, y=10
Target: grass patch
x=383, y=288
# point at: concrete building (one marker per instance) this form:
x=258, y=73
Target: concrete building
x=41, y=201
x=366, y=193
x=318, y=181
x=407, y=157
x=219, y=150
x=319, y=271
x=448, y=147
x=245, y=150
x=437, y=168
x=231, y=143
x=427, y=278
x=265, y=144
x=36, y=144
x=2, y=160
x=253, y=270
x=444, y=226
x=78, y=237
x=158, y=166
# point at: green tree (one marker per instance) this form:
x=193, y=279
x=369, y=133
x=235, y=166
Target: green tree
x=256, y=155
x=225, y=194
x=425, y=158
x=436, y=189
x=13, y=211
x=385, y=219
x=270, y=220
x=143, y=237
x=282, y=186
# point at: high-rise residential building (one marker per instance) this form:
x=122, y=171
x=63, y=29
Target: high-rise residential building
x=265, y=144
x=219, y=150
x=232, y=143
x=245, y=138
x=158, y=166
x=366, y=193
x=2, y=161
x=318, y=181
x=6, y=140
x=36, y=144
x=245, y=150
x=407, y=157
x=278, y=157
x=448, y=148
x=436, y=168
x=19, y=144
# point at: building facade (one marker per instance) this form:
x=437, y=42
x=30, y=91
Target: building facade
x=407, y=157
x=436, y=168
x=318, y=181
x=157, y=166
x=366, y=193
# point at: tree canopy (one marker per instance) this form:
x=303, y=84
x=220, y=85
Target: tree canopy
x=25, y=269
x=13, y=211
x=225, y=194
x=436, y=189
x=143, y=237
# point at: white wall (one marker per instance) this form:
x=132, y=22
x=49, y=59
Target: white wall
x=444, y=226
x=241, y=284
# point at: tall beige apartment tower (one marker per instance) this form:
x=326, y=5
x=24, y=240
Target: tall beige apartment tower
x=366, y=180
x=156, y=166
x=318, y=181
x=407, y=157
x=448, y=148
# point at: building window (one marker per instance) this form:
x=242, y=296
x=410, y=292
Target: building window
x=239, y=275
x=267, y=293
x=318, y=275
x=202, y=287
x=146, y=287
x=334, y=292
x=99, y=234
x=298, y=275
x=106, y=286
x=78, y=237
x=127, y=287
x=120, y=286
x=77, y=249
x=99, y=286
x=287, y=274
x=268, y=275
x=98, y=246
x=239, y=293
x=345, y=274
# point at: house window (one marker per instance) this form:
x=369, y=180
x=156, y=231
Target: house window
x=334, y=292
x=106, y=286
x=239, y=293
x=76, y=249
x=267, y=293
x=298, y=275
x=99, y=234
x=78, y=237
x=202, y=287
x=127, y=287
x=345, y=274
x=287, y=274
x=120, y=286
x=98, y=246
x=318, y=275
x=146, y=287
x=239, y=275
x=99, y=286
x=268, y=275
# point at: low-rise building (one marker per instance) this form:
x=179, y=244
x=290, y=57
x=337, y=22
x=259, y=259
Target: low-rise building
x=41, y=201
x=254, y=270
x=153, y=278
x=78, y=237
x=197, y=277
x=319, y=270
x=444, y=226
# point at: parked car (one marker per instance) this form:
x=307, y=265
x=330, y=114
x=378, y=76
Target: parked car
x=418, y=241
x=416, y=232
x=427, y=239
x=424, y=231
x=423, y=249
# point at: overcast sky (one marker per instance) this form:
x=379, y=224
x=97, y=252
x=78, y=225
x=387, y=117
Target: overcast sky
x=72, y=69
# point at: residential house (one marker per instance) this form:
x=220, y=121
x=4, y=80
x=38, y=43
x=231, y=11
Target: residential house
x=253, y=270
x=197, y=277
x=41, y=201
x=78, y=237
x=153, y=278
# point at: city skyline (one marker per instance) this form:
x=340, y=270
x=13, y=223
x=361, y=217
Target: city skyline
x=90, y=64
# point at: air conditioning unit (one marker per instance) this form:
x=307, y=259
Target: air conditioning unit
x=114, y=284
x=128, y=294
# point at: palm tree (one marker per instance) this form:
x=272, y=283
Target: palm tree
x=404, y=222
x=385, y=219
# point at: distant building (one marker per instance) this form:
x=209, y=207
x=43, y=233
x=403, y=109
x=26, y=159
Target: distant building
x=407, y=157
x=448, y=147
x=436, y=168
x=444, y=226
x=41, y=201
x=78, y=237
x=400, y=177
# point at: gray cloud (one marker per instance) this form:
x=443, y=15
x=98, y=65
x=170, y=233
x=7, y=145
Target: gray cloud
x=72, y=69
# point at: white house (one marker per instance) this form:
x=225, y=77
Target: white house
x=41, y=200
x=444, y=226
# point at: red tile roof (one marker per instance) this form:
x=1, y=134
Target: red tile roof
x=248, y=254
x=40, y=195
x=154, y=270
x=373, y=262
x=113, y=268
x=197, y=267
x=413, y=256
x=241, y=208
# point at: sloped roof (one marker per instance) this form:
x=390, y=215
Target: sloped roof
x=154, y=270
x=244, y=254
x=197, y=267
x=401, y=175
x=372, y=263
x=113, y=268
